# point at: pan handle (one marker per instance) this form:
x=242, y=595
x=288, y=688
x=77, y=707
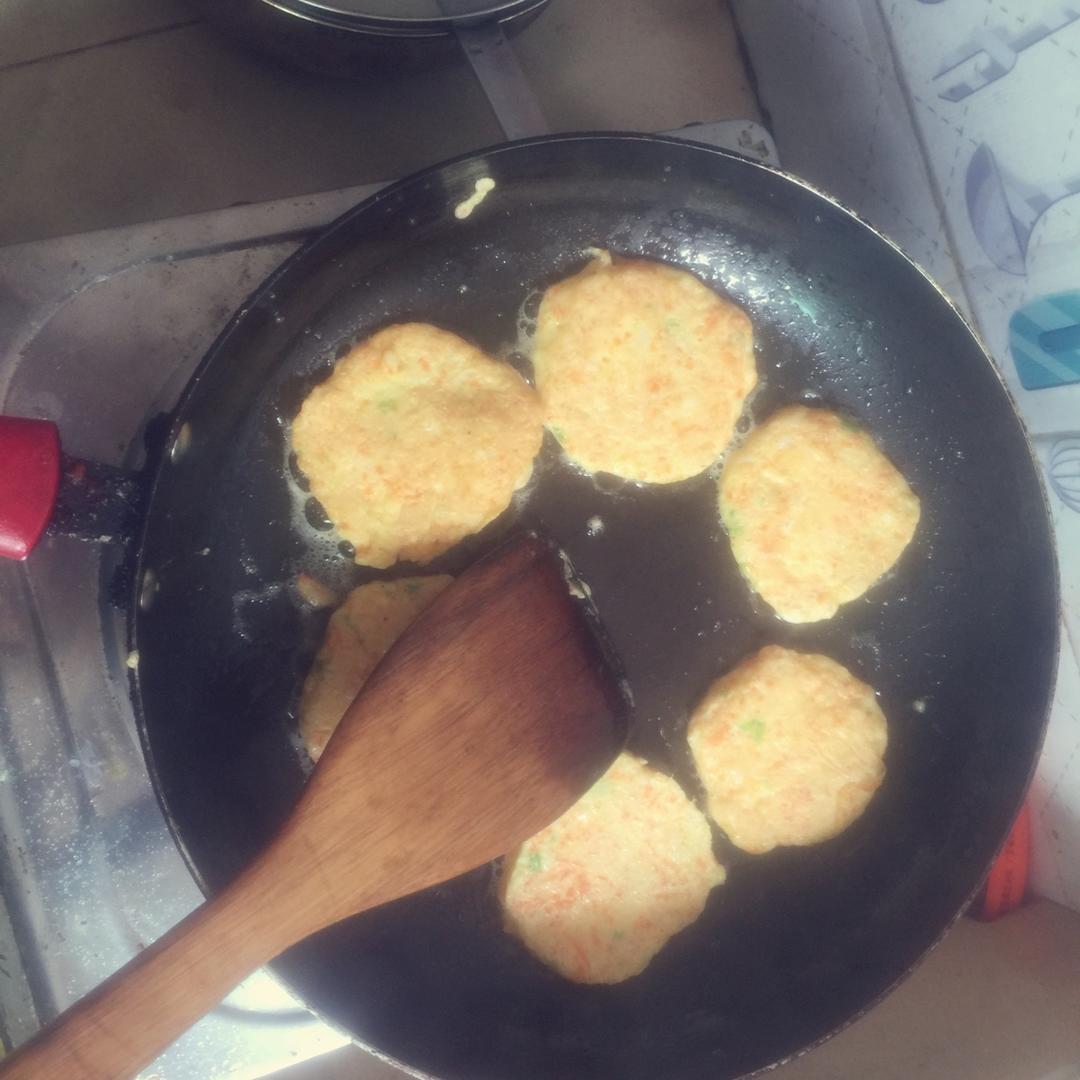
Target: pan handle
x=29, y=482
x=504, y=84
x=496, y=68
x=43, y=488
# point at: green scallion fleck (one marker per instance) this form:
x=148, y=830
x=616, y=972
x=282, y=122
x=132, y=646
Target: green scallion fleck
x=754, y=727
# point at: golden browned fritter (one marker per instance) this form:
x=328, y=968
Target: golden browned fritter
x=415, y=441
x=597, y=894
x=789, y=747
x=643, y=370
x=815, y=511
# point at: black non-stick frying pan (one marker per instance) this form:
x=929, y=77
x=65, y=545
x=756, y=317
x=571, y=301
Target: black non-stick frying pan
x=960, y=640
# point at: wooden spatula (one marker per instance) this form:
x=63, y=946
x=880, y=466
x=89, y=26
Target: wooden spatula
x=485, y=721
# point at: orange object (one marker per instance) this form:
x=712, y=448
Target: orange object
x=1006, y=884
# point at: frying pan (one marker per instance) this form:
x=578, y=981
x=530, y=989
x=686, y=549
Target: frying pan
x=959, y=640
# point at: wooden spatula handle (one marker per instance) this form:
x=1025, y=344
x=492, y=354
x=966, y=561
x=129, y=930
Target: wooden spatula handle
x=128, y=1020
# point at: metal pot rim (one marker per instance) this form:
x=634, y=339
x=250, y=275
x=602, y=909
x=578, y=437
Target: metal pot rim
x=420, y=17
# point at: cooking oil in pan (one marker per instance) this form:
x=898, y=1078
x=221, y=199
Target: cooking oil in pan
x=695, y=616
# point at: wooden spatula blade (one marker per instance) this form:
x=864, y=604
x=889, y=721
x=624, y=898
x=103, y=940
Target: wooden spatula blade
x=488, y=718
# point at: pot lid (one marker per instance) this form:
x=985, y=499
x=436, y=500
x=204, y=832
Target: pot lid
x=389, y=15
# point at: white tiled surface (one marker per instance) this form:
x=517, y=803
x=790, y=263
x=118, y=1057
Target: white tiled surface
x=1024, y=108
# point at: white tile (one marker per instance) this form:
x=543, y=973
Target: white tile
x=1003, y=78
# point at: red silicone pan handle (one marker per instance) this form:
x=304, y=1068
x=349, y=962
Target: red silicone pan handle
x=29, y=478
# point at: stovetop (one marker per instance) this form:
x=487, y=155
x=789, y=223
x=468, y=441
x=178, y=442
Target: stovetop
x=100, y=332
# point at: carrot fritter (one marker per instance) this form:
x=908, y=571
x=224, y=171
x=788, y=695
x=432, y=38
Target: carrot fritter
x=415, y=441
x=643, y=370
x=597, y=894
x=371, y=618
x=815, y=511
x=789, y=747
